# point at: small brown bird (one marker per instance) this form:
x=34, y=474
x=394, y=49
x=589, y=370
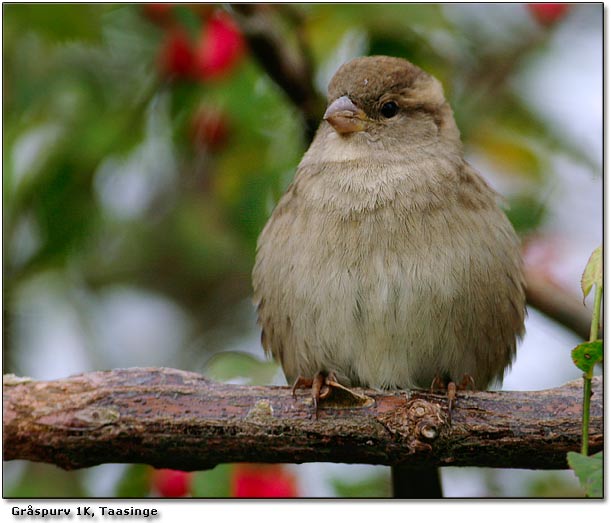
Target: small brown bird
x=388, y=262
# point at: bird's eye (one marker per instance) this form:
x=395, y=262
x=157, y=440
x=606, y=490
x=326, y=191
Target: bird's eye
x=389, y=109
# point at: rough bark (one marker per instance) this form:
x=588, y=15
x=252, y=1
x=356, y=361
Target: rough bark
x=176, y=419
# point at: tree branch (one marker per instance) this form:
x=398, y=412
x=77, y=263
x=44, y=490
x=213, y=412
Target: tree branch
x=557, y=303
x=289, y=66
x=176, y=419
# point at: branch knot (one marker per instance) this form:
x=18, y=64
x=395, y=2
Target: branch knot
x=418, y=423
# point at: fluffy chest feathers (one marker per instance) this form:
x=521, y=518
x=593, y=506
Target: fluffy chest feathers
x=385, y=275
x=352, y=179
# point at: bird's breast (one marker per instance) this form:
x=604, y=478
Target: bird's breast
x=358, y=293
x=352, y=189
x=384, y=276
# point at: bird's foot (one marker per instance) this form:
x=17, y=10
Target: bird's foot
x=451, y=389
x=321, y=386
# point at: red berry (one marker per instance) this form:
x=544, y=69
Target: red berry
x=548, y=14
x=209, y=128
x=262, y=481
x=176, y=56
x=221, y=46
x=170, y=483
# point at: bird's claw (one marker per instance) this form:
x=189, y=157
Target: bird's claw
x=321, y=386
x=451, y=389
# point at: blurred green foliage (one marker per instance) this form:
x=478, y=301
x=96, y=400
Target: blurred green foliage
x=105, y=183
x=376, y=485
x=213, y=483
x=40, y=480
x=135, y=482
x=589, y=470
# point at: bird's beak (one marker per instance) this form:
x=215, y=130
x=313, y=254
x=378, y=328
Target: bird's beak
x=344, y=116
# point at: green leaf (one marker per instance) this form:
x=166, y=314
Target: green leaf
x=513, y=114
x=135, y=483
x=589, y=470
x=40, y=480
x=213, y=483
x=510, y=151
x=593, y=273
x=188, y=19
x=587, y=355
x=373, y=486
x=58, y=22
x=525, y=212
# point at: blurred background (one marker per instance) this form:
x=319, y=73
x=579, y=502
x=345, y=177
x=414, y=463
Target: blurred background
x=145, y=145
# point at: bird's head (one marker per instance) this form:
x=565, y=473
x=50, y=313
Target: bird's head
x=386, y=99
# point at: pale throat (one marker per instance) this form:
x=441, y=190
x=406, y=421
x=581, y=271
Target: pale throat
x=335, y=148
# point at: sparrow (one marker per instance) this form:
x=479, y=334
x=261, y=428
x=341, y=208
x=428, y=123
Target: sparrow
x=388, y=263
